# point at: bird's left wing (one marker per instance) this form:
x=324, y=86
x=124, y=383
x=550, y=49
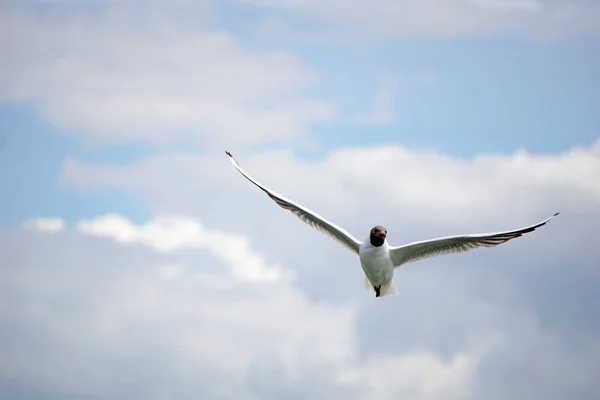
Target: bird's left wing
x=454, y=244
x=311, y=218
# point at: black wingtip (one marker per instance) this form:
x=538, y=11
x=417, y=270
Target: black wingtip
x=556, y=213
x=228, y=153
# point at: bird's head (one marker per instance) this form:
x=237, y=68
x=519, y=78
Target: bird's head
x=378, y=235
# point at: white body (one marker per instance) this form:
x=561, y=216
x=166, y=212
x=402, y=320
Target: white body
x=378, y=267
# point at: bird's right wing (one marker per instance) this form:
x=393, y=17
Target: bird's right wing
x=311, y=218
x=455, y=244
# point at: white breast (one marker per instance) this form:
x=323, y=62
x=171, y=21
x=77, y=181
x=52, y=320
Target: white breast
x=376, y=263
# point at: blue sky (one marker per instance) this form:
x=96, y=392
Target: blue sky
x=175, y=277
x=31, y=163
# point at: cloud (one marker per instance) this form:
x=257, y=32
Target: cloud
x=497, y=306
x=159, y=308
x=168, y=234
x=124, y=75
x=419, y=375
x=515, y=188
x=51, y=225
x=382, y=112
x=127, y=318
x=540, y=20
x=509, y=5
x=87, y=316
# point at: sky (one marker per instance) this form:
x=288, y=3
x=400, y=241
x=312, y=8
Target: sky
x=136, y=263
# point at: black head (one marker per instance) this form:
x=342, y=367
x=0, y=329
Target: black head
x=378, y=235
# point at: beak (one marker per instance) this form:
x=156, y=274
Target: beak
x=383, y=235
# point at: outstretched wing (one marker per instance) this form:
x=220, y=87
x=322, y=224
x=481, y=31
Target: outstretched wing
x=311, y=218
x=455, y=244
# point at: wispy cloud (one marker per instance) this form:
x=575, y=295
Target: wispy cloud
x=383, y=111
x=109, y=80
x=199, y=339
x=168, y=234
x=50, y=225
x=444, y=19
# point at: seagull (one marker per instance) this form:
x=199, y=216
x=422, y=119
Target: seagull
x=377, y=258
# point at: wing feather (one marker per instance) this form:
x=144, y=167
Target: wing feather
x=456, y=244
x=307, y=216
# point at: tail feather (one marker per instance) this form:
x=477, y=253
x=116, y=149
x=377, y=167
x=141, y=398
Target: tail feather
x=389, y=289
x=368, y=285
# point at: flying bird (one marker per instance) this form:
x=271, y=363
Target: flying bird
x=377, y=258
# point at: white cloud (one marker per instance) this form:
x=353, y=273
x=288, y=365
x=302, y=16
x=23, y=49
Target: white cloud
x=153, y=75
x=88, y=317
x=168, y=234
x=171, y=271
x=419, y=375
x=509, y=5
x=462, y=326
x=503, y=300
x=413, y=186
x=383, y=111
x=51, y=225
x=432, y=18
